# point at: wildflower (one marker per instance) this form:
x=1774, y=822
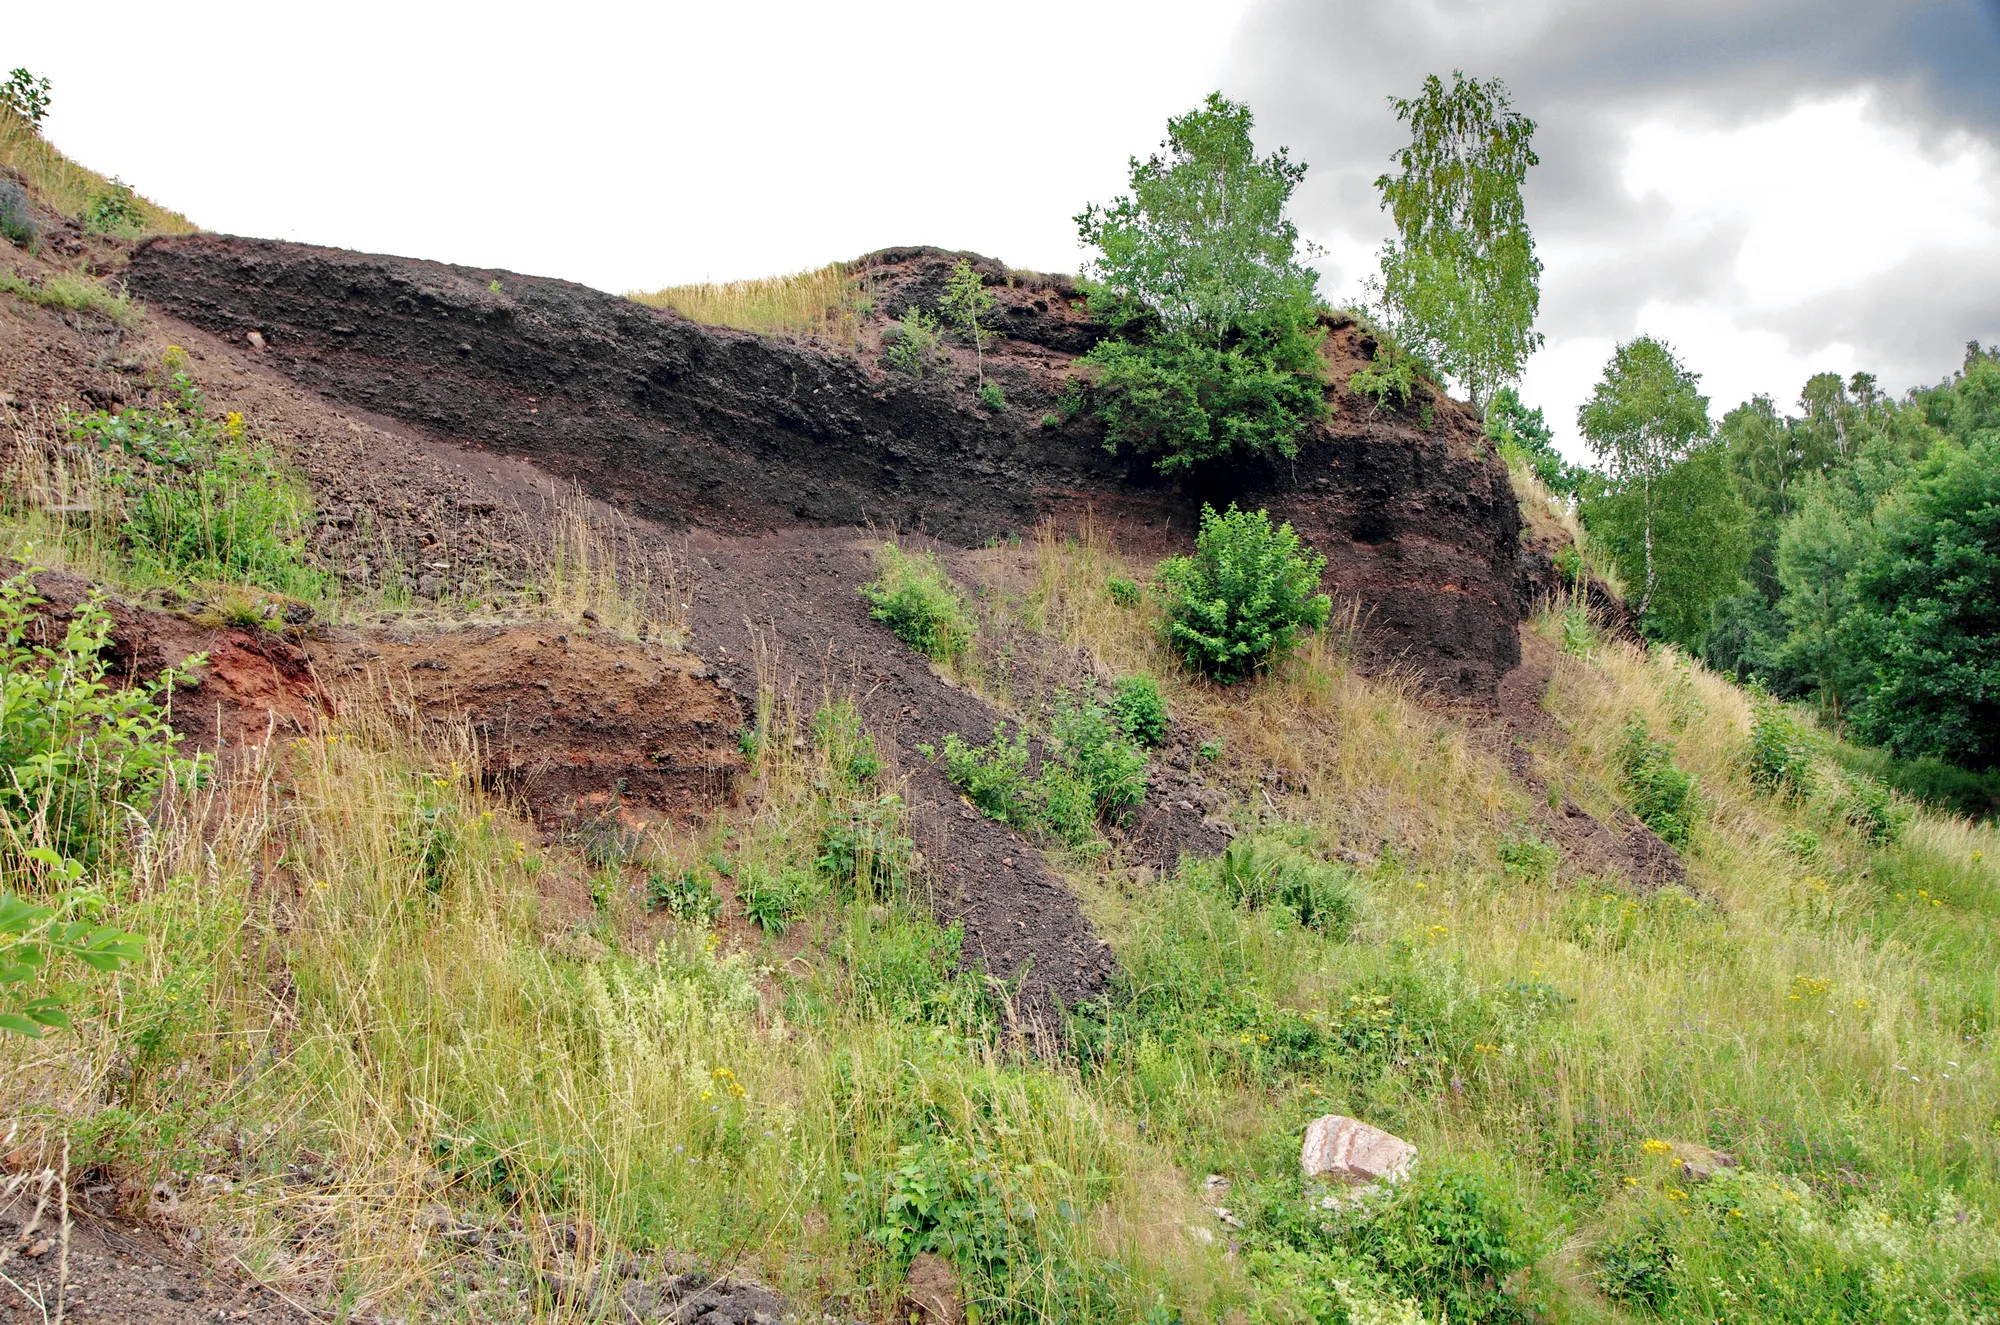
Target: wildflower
x=232, y=424
x=1631, y=1182
x=1655, y=1146
x=1860, y=1002
x=1676, y=1194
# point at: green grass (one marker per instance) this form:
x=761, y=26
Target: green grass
x=73, y=292
x=359, y=963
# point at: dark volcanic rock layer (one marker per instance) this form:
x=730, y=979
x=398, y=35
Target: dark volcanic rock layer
x=688, y=424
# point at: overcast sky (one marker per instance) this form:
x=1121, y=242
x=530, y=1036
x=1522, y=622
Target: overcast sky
x=1776, y=186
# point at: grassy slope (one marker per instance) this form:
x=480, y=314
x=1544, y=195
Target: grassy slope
x=60, y=183
x=355, y=967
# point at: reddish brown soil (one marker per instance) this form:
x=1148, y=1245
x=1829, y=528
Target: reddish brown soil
x=1625, y=848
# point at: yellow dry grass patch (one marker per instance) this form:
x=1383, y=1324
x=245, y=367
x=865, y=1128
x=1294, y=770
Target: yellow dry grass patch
x=60, y=183
x=818, y=302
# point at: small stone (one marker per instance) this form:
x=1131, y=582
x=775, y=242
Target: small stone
x=256, y=339
x=1341, y=1149
x=1227, y=1216
x=1214, y=1185
x=1698, y=1163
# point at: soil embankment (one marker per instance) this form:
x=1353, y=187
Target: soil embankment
x=690, y=425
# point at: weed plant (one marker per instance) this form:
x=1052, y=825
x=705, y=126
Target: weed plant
x=915, y=598
x=62, y=184
x=73, y=292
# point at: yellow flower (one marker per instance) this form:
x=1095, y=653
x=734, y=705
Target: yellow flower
x=232, y=424
x=1860, y=1002
x=1655, y=1146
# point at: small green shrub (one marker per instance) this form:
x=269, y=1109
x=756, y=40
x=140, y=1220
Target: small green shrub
x=1663, y=796
x=1579, y=632
x=1638, y=1267
x=36, y=938
x=1783, y=750
x=992, y=398
x=1454, y=1237
x=1871, y=809
x=80, y=757
x=771, y=896
x=1085, y=739
x=918, y=346
x=862, y=849
x=994, y=777
x=684, y=894
x=26, y=95
x=1246, y=596
x=1389, y=383
x=201, y=500
x=1051, y=420
x=846, y=745
x=114, y=211
x=1569, y=564
x=1141, y=712
x=916, y=599
x=1259, y=872
x=1528, y=857
x=1123, y=592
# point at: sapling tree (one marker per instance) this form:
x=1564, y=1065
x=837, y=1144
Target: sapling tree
x=1461, y=284
x=1644, y=420
x=966, y=304
x=26, y=95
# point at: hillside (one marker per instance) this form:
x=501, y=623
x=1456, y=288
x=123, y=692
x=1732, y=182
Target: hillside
x=582, y=913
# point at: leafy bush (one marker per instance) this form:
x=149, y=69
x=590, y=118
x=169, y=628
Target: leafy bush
x=1258, y=872
x=1638, y=1267
x=35, y=937
x=862, y=849
x=918, y=345
x=1085, y=738
x=994, y=777
x=966, y=304
x=1188, y=402
x=114, y=211
x=1389, y=383
x=991, y=397
x=684, y=894
x=80, y=758
x=1123, y=592
x=1528, y=857
x=1872, y=810
x=1092, y=771
x=1141, y=713
x=1783, y=750
x=772, y=896
x=200, y=499
x=1242, y=601
x=1663, y=796
x=916, y=599
x=1453, y=1236
x=26, y=95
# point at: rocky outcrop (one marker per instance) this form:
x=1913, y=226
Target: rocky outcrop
x=695, y=425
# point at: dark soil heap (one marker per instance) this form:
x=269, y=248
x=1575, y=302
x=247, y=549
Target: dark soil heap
x=692, y=425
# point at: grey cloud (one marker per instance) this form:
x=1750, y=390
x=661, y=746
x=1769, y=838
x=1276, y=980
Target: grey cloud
x=1318, y=72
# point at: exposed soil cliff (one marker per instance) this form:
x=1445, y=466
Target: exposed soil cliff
x=687, y=424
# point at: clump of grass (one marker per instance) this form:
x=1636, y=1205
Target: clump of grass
x=73, y=292
x=67, y=187
x=820, y=302
x=915, y=598
x=595, y=570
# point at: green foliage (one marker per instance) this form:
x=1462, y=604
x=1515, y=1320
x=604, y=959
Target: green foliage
x=684, y=894
x=1926, y=594
x=916, y=599
x=1783, y=750
x=1638, y=1266
x=26, y=95
x=1123, y=592
x=773, y=895
x=1141, y=712
x=201, y=500
x=1455, y=1236
x=36, y=938
x=992, y=398
x=1092, y=772
x=1668, y=509
x=1391, y=382
x=1663, y=795
x=918, y=347
x=1259, y=871
x=1528, y=857
x=73, y=292
x=1246, y=596
x=1523, y=437
x=80, y=757
x=903, y=965
x=846, y=745
x=1461, y=285
x=114, y=211
x=1871, y=810
x=966, y=304
x=1214, y=350
x=1188, y=403
x=862, y=848
x=1203, y=239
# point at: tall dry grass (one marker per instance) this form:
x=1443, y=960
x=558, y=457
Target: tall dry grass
x=820, y=302
x=62, y=184
x=595, y=563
